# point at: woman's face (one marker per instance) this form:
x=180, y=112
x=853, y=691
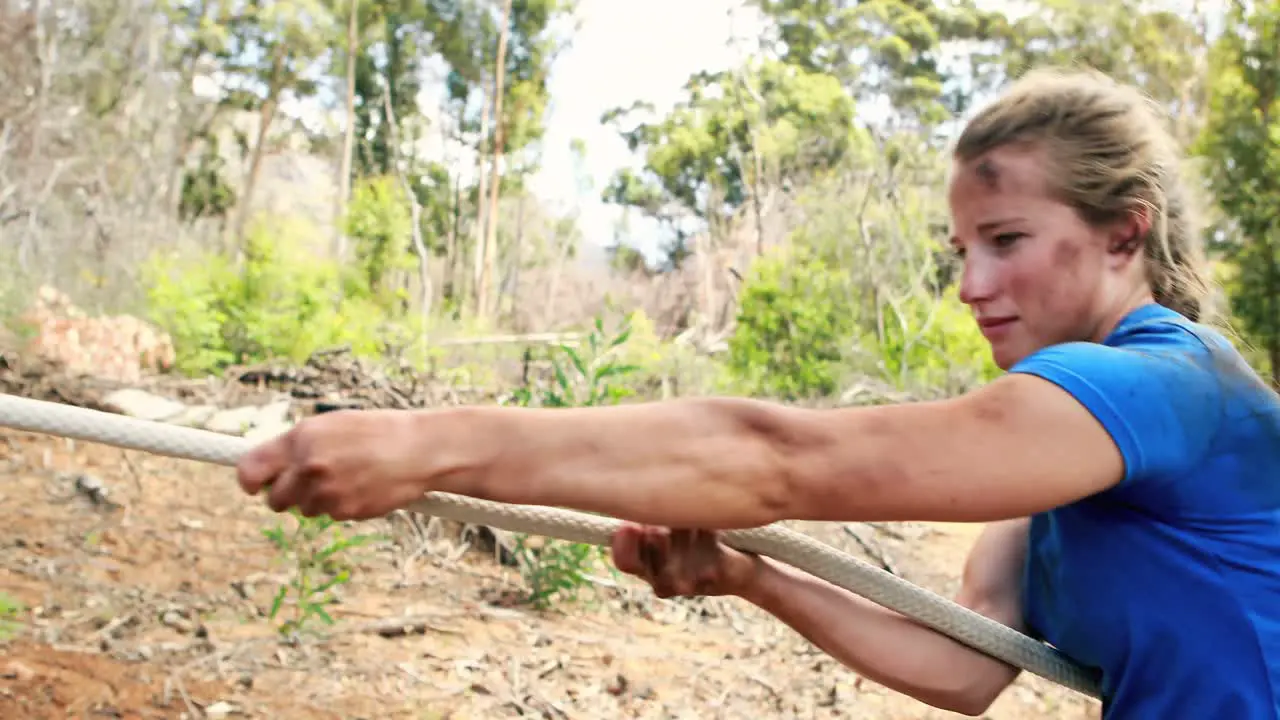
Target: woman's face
x=1035, y=273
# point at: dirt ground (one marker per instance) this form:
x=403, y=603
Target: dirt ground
x=151, y=602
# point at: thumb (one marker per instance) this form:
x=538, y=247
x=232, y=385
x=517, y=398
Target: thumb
x=264, y=463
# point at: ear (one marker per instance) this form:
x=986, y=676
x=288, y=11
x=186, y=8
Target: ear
x=1126, y=236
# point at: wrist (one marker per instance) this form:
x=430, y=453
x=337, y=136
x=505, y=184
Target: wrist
x=752, y=581
x=464, y=449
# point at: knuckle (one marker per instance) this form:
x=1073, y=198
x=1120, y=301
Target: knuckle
x=313, y=465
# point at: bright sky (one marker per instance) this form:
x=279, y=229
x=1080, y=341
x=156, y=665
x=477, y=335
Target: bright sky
x=625, y=50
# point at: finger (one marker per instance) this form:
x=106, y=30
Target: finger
x=655, y=550
x=259, y=467
x=655, y=554
x=707, y=572
x=706, y=547
x=624, y=548
x=286, y=491
x=683, y=568
x=310, y=503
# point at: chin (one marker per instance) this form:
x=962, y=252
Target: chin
x=1006, y=357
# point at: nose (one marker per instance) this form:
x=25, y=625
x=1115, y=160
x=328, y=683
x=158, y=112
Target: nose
x=978, y=279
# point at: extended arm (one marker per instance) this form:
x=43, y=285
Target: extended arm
x=1018, y=446
x=894, y=650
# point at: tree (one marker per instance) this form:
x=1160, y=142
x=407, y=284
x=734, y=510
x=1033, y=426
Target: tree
x=1242, y=144
x=700, y=164
x=895, y=50
x=273, y=52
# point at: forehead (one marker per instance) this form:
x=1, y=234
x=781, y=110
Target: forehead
x=1005, y=174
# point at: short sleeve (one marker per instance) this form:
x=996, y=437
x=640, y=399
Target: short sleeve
x=1157, y=395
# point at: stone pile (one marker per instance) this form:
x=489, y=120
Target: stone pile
x=115, y=347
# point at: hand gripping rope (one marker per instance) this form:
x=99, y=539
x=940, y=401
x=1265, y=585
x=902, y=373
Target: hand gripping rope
x=780, y=543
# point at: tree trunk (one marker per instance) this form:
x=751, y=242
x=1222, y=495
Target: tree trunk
x=484, y=292
x=477, y=269
x=348, y=136
x=266, y=116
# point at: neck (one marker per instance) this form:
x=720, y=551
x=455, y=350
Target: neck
x=1126, y=304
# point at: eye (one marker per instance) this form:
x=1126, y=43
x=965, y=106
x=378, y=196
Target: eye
x=1006, y=240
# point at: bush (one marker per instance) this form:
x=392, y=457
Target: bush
x=282, y=301
x=794, y=321
x=934, y=344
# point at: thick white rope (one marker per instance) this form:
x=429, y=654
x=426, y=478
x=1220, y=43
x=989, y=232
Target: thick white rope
x=793, y=548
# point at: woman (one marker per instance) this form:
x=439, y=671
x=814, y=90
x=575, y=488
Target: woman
x=1128, y=462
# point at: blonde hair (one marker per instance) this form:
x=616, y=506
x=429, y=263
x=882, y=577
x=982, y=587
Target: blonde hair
x=1110, y=154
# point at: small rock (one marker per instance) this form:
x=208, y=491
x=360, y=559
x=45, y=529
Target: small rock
x=275, y=414
x=92, y=488
x=220, y=709
x=232, y=422
x=194, y=416
x=14, y=670
x=142, y=404
x=266, y=432
x=174, y=619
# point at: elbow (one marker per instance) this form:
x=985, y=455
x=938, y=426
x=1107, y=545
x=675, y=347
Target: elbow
x=973, y=694
x=972, y=702
x=808, y=464
x=975, y=703
x=770, y=457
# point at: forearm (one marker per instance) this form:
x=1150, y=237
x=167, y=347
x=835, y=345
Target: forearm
x=880, y=644
x=718, y=463
x=709, y=463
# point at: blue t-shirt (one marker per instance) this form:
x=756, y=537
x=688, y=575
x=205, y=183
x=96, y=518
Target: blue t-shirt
x=1168, y=583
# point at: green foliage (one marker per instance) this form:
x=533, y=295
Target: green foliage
x=11, y=610
x=1241, y=141
x=666, y=368
x=793, y=324
x=191, y=300
x=555, y=569
x=586, y=381
x=879, y=305
x=1146, y=43
x=380, y=224
x=316, y=552
x=934, y=344
x=205, y=190
x=465, y=33
x=886, y=48
x=769, y=123
x=281, y=301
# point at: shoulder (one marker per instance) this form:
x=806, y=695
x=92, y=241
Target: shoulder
x=1155, y=384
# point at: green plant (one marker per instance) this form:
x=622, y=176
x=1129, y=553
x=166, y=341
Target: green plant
x=552, y=568
x=794, y=323
x=279, y=300
x=315, y=549
x=933, y=343
x=10, y=610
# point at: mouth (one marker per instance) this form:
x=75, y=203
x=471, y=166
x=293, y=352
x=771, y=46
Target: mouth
x=995, y=323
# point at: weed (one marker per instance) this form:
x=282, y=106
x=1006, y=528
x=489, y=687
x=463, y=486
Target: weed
x=10, y=610
x=315, y=549
x=555, y=569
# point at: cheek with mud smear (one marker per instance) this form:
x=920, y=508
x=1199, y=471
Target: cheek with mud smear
x=1062, y=277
